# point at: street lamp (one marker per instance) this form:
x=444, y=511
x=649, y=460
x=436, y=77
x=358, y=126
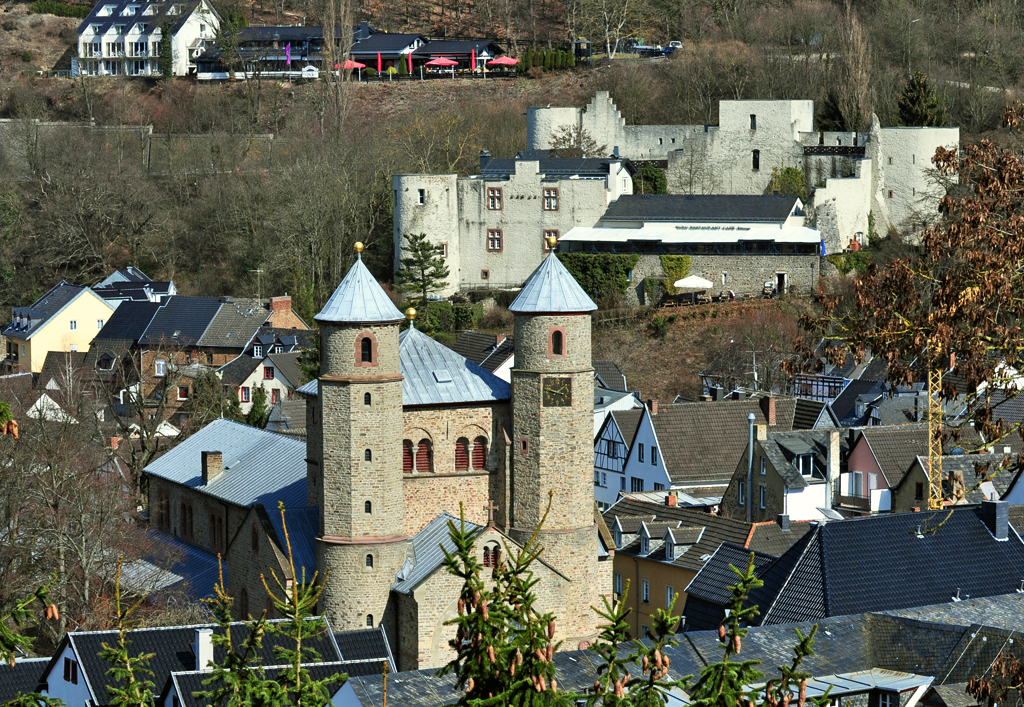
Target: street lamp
x=909, y=70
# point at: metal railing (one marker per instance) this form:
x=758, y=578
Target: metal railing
x=836, y=150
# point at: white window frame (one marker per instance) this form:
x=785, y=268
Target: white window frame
x=257, y=351
x=654, y=455
x=645, y=591
x=645, y=545
x=763, y=471
x=670, y=592
x=99, y=324
x=160, y=368
x=763, y=497
x=740, y=493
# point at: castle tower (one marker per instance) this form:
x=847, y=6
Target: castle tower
x=358, y=423
x=553, y=427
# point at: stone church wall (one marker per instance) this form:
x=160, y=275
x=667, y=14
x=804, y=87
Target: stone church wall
x=427, y=495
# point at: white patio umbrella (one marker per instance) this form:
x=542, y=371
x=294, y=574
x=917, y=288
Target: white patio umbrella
x=694, y=282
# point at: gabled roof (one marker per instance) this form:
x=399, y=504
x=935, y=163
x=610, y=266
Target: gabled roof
x=610, y=374
x=844, y=407
x=172, y=651
x=482, y=350
x=359, y=299
x=129, y=321
x=807, y=413
x=180, y=321
x=425, y=553
x=867, y=564
x=389, y=42
x=235, y=323
x=259, y=466
x=551, y=288
x=895, y=449
x=160, y=14
x=712, y=584
x=58, y=366
x=628, y=422
x=703, y=208
x=235, y=371
x=364, y=644
x=447, y=47
x=22, y=677
x=287, y=364
x=26, y=321
x=703, y=442
x=436, y=375
x=128, y=274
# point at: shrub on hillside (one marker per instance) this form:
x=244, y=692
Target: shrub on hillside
x=60, y=9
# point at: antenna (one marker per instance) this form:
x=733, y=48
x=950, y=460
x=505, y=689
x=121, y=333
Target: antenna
x=259, y=280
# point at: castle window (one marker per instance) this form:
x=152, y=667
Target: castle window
x=890, y=193
x=556, y=342
x=442, y=249
x=753, y=122
x=369, y=560
x=421, y=196
x=367, y=399
x=494, y=198
x=367, y=455
x=757, y=160
x=369, y=620
x=550, y=199
x=424, y=456
x=462, y=454
x=484, y=275
x=407, y=457
x=480, y=453
x=368, y=507
x=243, y=603
x=254, y=538
x=366, y=349
x=524, y=445
x=494, y=240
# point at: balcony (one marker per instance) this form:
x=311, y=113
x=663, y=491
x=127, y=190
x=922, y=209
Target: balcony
x=858, y=503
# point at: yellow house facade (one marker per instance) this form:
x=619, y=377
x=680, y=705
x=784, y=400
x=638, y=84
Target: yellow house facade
x=66, y=318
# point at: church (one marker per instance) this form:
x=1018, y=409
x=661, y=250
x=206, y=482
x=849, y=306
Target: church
x=402, y=431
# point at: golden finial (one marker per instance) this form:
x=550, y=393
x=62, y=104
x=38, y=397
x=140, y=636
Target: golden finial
x=359, y=246
x=410, y=314
x=552, y=242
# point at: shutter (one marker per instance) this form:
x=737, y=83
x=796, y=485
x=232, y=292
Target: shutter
x=461, y=455
x=479, y=453
x=423, y=457
x=407, y=458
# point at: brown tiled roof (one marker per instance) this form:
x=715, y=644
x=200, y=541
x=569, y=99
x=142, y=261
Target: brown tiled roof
x=611, y=374
x=235, y=323
x=703, y=442
x=896, y=448
x=628, y=422
x=480, y=349
x=807, y=413
x=58, y=365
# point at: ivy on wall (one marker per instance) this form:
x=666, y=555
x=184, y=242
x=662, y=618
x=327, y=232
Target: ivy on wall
x=675, y=267
x=600, y=273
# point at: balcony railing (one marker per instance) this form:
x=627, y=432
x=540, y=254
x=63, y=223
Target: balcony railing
x=837, y=150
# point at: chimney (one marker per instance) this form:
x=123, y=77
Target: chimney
x=498, y=339
x=653, y=405
x=783, y=520
x=114, y=442
x=203, y=648
x=364, y=30
x=485, y=157
x=717, y=393
x=762, y=432
x=996, y=517
x=615, y=152
x=768, y=408
x=281, y=304
x=671, y=499
x=213, y=464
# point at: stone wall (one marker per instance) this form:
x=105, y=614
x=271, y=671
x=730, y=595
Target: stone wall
x=428, y=495
x=437, y=216
x=357, y=595
x=745, y=273
x=202, y=505
x=246, y=563
x=841, y=208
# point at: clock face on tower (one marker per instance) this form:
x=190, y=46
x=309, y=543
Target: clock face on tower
x=557, y=392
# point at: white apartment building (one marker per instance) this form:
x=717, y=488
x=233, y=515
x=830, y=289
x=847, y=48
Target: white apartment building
x=123, y=38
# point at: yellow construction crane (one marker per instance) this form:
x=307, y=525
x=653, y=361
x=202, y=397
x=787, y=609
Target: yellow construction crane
x=935, y=494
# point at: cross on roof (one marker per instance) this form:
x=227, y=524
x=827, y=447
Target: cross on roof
x=491, y=507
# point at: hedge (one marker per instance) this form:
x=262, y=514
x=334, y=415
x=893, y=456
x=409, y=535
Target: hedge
x=60, y=9
x=601, y=272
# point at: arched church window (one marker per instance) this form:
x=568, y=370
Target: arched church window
x=254, y=538
x=492, y=554
x=407, y=456
x=243, y=603
x=369, y=620
x=480, y=453
x=462, y=454
x=366, y=396
x=424, y=457
x=366, y=350
x=369, y=560
x=557, y=343
x=368, y=507
x=367, y=455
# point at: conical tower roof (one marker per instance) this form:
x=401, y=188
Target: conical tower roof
x=551, y=288
x=359, y=299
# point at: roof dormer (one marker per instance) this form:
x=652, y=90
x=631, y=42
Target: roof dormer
x=617, y=533
x=670, y=545
x=150, y=10
x=645, y=539
x=130, y=10
x=107, y=11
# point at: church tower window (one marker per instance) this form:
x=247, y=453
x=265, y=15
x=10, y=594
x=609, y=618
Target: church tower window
x=367, y=399
x=556, y=343
x=368, y=507
x=462, y=454
x=407, y=457
x=369, y=561
x=368, y=455
x=480, y=453
x=424, y=457
x=366, y=349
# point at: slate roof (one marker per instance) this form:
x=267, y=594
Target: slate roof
x=365, y=644
x=895, y=449
x=502, y=168
x=26, y=321
x=287, y=364
x=436, y=375
x=714, y=580
x=769, y=538
x=235, y=323
x=807, y=413
x=389, y=42
x=454, y=47
x=172, y=649
x=551, y=288
x=702, y=208
x=703, y=442
x=21, y=677
x=129, y=274
x=610, y=374
x=865, y=564
x=628, y=422
x=425, y=554
x=359, y=298
x=180, y=321
x=844, y=407
x=158, y=17
x=289, y=414
x=234, y=372
x=129, y=321
x=481, y=349
x=259, y=466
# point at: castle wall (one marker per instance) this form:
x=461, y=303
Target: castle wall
x=437, y=216
x=745, y=273
x=543, y=124
x=841, y=207
x=905, y=156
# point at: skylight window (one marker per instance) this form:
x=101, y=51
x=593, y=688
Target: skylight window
x=442, y=376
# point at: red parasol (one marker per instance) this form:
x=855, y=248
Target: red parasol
x=349, y=64
x=503, y=61
x=379, y=68
x=472, y=60
x=442, y=61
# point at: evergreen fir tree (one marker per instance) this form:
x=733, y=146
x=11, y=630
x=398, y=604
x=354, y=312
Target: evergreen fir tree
x=11, y=642
x=917, y=105
x=423, y=269
x=259, y=413
x=133, y=688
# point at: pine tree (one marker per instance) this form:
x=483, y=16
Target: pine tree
x=259, y=413
x=132, y=688
x=11, y=643
x=295, y=601
x=917, y=105
x=423, y=269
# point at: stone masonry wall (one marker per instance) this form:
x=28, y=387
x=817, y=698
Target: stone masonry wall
x=355, y=591
x=746, y=273
x=428, y=495
x=246, y=563
x=202, y=506
x=437, y=216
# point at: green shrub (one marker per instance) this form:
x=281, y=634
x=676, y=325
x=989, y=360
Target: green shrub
x=440, y=316
x=444, y=338
x=600, y=273
x=403, y=66
x=659, y=328
x=845, y=262
x=650, y=180
x=676, y=267
x=467, y=316
x=654, y=290
x=60, y=9
x=26, y=56
x=368, y=72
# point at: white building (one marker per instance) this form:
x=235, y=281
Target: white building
x=123, y=38
x=277, y=373
x=884, y=172
x=493, y=225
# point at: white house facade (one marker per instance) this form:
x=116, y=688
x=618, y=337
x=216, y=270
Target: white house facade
x=627, y=457
x=123, y=38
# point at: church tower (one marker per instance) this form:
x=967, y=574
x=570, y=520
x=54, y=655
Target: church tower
x=358, y=428
x=553, y=429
